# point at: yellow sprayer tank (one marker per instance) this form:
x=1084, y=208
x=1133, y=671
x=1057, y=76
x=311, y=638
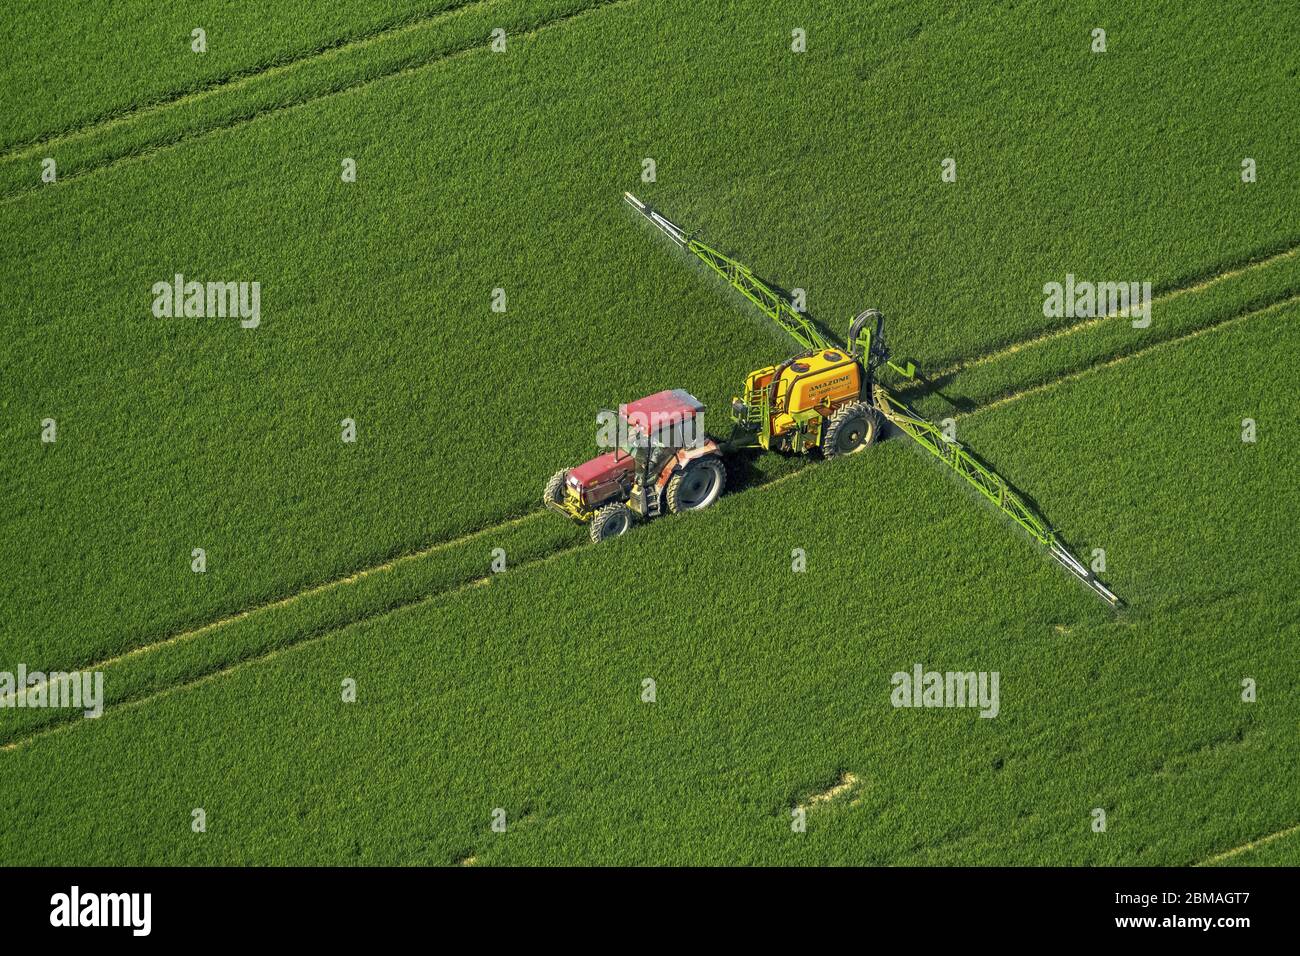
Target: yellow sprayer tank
x=823, y=379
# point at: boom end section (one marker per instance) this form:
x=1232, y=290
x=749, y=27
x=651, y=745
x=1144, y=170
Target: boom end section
x=662, y=223
x=1075, y=567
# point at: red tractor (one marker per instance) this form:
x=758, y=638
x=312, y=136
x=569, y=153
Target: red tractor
x=662, y=460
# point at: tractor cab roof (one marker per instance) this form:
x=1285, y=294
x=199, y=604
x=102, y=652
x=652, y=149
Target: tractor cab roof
x=669, y=407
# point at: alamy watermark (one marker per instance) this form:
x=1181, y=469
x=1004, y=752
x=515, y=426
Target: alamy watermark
x=922, y=688
x=80, y=690
x=638, y=429
x=1080, y=299
x=75, y=908
x=177, y=298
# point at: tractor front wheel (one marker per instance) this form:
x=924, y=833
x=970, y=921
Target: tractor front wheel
x=611, y=521
x=852, y=428
x=697, y=486
x=555, y=487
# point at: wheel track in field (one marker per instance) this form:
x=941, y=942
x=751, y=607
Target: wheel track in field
x=1199, y=284
x=325, y=631
x=109, y=119
x=1253, y=844
x=149, y=149
x=311, y=637
x=1142, y=352
x=352, y=578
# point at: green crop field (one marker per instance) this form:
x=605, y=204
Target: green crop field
x=387, y=647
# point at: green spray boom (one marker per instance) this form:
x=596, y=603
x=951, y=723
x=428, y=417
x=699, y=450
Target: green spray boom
x=924, y=432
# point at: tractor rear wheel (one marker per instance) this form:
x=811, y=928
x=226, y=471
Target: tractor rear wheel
x=852, y=428
x=611, y=521
x=697, y=486
x=555, y=487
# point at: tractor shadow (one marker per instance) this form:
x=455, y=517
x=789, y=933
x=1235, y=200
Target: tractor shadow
x=744, y=473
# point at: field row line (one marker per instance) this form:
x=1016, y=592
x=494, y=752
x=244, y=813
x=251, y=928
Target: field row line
x=1082, y=326
x=149, y=150
x=489, y=578
x=1253, y=844
x=312, y=591
x=1129, y=356
x=232, y=80
x=484, y=580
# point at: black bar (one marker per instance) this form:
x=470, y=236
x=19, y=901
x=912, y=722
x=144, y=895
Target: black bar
x=212, y=906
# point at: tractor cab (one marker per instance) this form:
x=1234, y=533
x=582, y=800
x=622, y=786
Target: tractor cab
x=668, y=420
x=660, y=459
